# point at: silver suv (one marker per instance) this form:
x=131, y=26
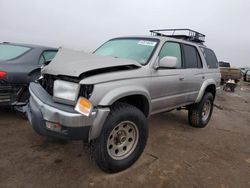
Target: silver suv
x=105, y=98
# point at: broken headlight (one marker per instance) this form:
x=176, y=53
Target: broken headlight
x=86, y=91
x=65, y=92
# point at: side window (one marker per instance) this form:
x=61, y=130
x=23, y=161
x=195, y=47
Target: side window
x=210, y=57
x=171, y=49
x=192, y=57
x=41, y=60
x=49, y=55
x=46, y=56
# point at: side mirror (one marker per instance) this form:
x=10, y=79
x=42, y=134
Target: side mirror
x=168, y=62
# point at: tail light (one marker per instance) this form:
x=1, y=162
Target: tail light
x=2, y=75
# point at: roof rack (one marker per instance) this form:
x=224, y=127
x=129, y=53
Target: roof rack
x=185, y=34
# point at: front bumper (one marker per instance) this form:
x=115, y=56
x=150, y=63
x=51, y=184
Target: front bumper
x=43, y=111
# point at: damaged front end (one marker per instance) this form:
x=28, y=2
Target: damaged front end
x=60, y=104
x=59, y=120
x=47, y=82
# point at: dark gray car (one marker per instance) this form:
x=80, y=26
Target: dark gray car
x=20, y=64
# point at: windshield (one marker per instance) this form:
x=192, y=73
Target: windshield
x=8, y=51
x=139, y=50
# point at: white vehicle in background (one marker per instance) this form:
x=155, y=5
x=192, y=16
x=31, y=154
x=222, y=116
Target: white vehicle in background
x=247, y=76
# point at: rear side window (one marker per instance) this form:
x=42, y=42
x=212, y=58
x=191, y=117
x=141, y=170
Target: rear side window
x=191, y=57
x=210, y=57
x=172, y=49
x=8, y=52
x=47, y=56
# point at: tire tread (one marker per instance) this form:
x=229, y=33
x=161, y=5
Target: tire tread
x=194, y=116
x=97, y=152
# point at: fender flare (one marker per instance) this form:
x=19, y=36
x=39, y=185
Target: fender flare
x=111, y=97
x=124, y=91
x=205, y=84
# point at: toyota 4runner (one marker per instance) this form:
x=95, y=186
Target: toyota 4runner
x=105, y=98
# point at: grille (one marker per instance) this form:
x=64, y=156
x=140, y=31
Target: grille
x=48, y=83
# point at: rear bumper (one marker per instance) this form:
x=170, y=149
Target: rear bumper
x=9, y=94
x=42, y=111
x=5, y=95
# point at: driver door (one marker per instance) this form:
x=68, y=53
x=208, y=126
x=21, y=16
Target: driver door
x=168, y=85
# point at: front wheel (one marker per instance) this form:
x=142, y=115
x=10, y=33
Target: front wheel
x=122, y=140
x=199, y=114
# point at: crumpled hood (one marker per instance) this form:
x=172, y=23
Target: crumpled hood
x=74, y=63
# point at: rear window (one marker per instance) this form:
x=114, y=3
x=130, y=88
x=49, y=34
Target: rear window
x=8, y=52
x=210, y=57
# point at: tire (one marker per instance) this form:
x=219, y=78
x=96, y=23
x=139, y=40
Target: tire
x=196, y=115
x=116, y=149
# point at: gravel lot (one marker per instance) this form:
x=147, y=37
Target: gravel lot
x=176, y=155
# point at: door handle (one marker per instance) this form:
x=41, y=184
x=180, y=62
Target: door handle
x=181, y=78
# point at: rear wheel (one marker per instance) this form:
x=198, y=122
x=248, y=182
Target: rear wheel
x=199, y=114
x=122, y=140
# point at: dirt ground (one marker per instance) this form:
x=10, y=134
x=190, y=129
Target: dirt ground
x=176, y=155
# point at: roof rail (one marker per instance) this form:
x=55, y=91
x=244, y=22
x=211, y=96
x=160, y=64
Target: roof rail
x=185, y=34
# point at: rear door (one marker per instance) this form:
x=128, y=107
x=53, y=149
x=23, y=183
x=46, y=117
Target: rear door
x=193, y=73
x=212, y=71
